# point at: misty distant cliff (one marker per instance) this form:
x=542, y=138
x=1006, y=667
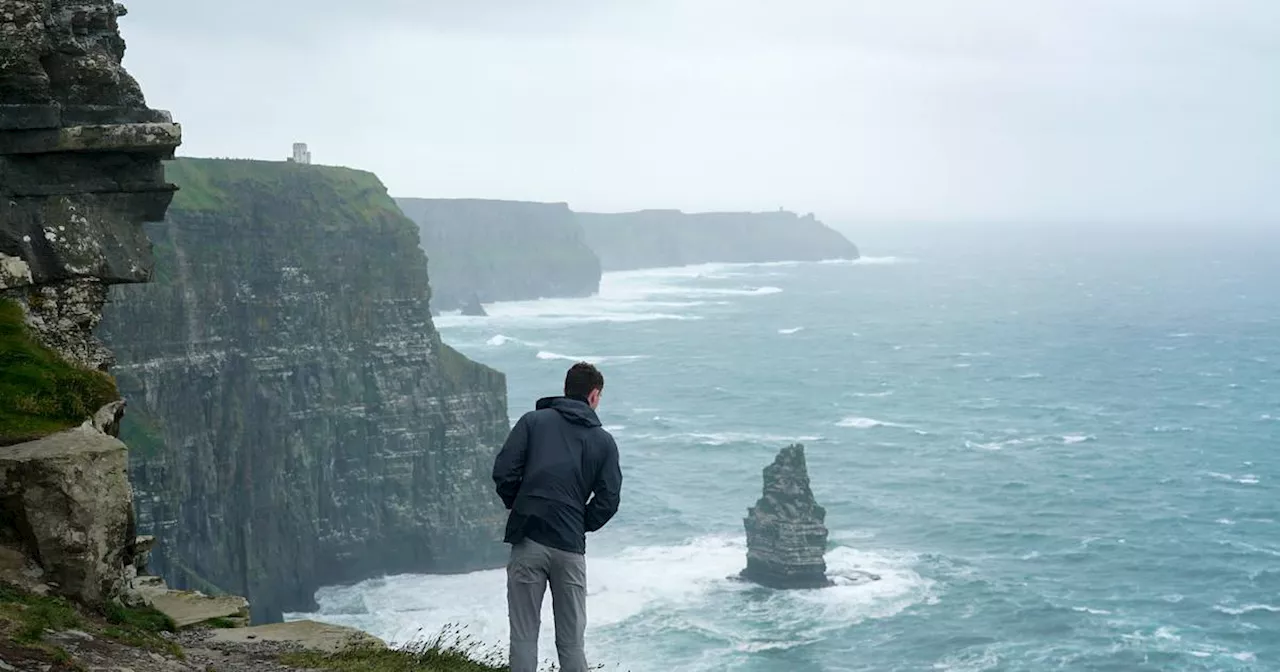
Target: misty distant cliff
x=655, y=238
x=502, y=250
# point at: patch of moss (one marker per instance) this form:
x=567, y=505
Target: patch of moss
x=41, y=393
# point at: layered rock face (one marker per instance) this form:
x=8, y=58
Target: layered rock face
x=786, y=535
x=657, y=238
x=80, y=170
x=295, y=419
x=502, y=250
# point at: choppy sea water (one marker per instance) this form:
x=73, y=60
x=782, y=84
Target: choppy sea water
x=1057, y=454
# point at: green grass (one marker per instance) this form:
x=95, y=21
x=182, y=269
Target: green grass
x=41, y=393
x=30, y=615
x=144, y=619
x=227, y=185
x=27, y=617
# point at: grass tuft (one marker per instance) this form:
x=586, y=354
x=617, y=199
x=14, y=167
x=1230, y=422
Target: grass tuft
x=141, y=627
x=41, y=393
x=32, y=615
x=450, y=651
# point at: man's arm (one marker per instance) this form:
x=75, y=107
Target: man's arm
x=508, y=467
x=606, y=492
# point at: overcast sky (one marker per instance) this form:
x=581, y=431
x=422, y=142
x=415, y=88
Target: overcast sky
x=1036, y=110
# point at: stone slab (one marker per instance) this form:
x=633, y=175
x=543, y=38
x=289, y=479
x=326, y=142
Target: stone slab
x=190, y=608
x=307, y=634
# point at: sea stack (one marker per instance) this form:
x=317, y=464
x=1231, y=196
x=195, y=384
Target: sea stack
x=473, y=307
x=786, y=535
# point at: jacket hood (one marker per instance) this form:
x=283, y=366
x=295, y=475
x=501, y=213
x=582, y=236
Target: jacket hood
x=574, y=410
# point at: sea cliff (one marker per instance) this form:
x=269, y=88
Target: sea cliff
x=485, y=250
x=295, y=417
x=656, y=238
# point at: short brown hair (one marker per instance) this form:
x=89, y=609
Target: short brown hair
x=581, y=379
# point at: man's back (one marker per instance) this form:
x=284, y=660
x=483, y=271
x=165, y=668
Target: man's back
x=558, y=473
x=553, y=462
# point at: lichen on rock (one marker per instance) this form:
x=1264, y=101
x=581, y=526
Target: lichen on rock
x=786, y=531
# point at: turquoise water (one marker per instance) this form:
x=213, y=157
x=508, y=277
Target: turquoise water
x=1058, y=455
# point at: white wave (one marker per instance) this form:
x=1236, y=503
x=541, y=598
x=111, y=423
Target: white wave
x=591, y=359
x=502, y=339
x=726, y=438
x=857, y=422
x=792, y=330
x=630, y=296
x=884, y=393
x=1225, y=521
x=690, y=580
x=1247, y=609
x=969, y=661
x=1030, y=376
x=996, y=445
x=1095, y=612
x=1246, y=479
x=758, y=646
x=724, y=291
x=869, y=261
x=1078, y=438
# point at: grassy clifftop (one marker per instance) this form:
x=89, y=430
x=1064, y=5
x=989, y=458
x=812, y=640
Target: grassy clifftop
x=41, y=393
x=218, y=185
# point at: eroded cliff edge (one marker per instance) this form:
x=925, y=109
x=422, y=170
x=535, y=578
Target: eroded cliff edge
x=80, y=170
x=295, y=417
x=657, y=238
x=502, y=250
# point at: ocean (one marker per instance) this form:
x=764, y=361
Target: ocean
x=1058, y=451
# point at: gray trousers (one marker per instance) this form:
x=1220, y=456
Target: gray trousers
x=531, y=567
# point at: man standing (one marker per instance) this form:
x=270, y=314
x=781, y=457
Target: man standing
x=558, y=474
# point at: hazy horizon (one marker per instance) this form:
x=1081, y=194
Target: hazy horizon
x=924, y=111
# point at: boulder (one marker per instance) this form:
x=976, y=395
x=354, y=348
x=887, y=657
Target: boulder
x=786, y=534
x=65, y=501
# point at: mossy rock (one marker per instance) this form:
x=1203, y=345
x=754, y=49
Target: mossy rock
x=40, y=392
